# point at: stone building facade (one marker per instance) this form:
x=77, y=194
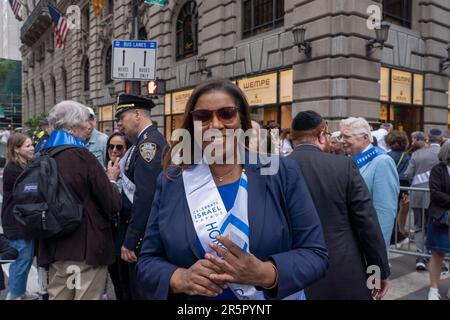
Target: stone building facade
x=251, y=42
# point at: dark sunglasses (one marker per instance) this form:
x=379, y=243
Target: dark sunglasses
x=225, y=114
x=119, y=147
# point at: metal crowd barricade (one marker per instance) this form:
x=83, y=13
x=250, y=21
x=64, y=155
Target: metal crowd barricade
x=410, y=220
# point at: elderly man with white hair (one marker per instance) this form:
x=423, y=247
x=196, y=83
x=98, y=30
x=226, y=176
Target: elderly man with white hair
x=90, y=248
x=377, y=168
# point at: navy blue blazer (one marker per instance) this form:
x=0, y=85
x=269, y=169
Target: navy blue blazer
x=284, y=227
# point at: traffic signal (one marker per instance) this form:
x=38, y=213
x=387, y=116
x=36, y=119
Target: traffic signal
x=156, y=87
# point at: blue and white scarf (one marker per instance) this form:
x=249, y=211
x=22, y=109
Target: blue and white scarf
x=364, y=158
x=211, y=219
x=63, y=138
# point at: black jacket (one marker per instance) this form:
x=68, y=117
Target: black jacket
x=11, y=227
x=439, y=190
x=350, y=224
x=143, y=166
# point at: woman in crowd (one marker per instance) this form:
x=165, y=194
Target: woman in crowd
x=90, y=248
x=398, y=142
x=20, y=150
x=285, y=142
x=117, y=145
x=265, y=227
x=417, y=141
x=438, y=241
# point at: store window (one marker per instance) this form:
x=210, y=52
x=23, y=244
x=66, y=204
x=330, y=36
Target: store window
x=175, y=104
x=105, y=121
x=261, y=16
x=187, y=31
x=269, y=97
x=401, y=96
x=398, y=12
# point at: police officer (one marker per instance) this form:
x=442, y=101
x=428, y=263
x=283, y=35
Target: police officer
x=140, y=168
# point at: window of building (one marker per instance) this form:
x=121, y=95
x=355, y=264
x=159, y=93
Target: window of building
x=86, y=75
x=64, y=84
x=142, y=34
x=261, y=15
x=43, y=95
x=110, y=7
x=187, y=31
x=53, y=82
x=108, y=56
x=27, y=103
x=85, y=19
x=398, y=12
x=33, y=90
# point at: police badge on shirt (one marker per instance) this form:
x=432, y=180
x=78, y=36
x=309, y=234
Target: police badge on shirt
x=147, y=151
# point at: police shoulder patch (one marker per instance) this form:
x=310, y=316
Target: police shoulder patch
x=147, y=151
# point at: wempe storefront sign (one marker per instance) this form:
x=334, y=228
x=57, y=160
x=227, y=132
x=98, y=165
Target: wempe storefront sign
x=260, y=90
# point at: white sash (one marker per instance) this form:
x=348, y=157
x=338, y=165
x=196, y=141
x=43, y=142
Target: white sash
x=210, y=219
x=421, y=178
x=128, y=186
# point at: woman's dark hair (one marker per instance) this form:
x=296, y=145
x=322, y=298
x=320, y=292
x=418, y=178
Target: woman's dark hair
x=117, y=134
x=397, y=141
x=209, y=86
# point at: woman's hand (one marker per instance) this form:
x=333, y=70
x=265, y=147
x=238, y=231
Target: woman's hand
x=196, y=281
x=113, y=170
x=238, y=266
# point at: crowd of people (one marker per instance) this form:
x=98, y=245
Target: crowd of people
x=166, y=224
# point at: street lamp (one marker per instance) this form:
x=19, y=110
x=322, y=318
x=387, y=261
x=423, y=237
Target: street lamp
x=445, y=63
x=111, y=90
x=202, y=66
x=381, y=36
x=299, y=34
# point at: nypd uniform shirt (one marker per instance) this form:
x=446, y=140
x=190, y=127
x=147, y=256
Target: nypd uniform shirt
x=142, y=167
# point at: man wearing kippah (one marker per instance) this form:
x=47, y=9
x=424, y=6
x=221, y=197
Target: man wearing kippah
x=349, y=221
x=139, y=168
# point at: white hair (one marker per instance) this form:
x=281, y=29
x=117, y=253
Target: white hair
x=360, y=125
x=67, y=115
x=444, y=153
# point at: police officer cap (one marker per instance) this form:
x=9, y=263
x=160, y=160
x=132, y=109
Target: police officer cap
x=127, y=102
x=306, y=120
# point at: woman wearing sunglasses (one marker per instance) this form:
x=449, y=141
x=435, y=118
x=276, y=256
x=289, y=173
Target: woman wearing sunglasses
x=116, y=147
x=226, y=231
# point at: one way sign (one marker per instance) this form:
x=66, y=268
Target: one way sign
x=134, y=60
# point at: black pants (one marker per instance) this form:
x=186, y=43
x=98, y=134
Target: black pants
x=120, y=276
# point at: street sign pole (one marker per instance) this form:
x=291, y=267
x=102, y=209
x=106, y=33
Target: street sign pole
x=135, y=85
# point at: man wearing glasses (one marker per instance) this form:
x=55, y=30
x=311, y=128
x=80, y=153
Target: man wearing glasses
x=140, y=168
x=352, y=233
x=377, y=168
